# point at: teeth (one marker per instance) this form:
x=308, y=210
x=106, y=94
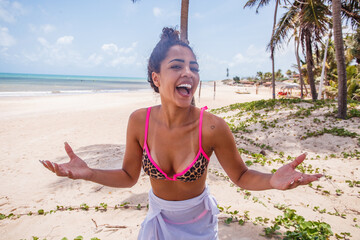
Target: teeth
x=185, y=85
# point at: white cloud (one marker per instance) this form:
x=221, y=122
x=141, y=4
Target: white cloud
x=54, y=54
x=43, y=42
x=122, y=61
x=110, y=48
x=47, y=28
x=65, y=40
x=238, y=58
x=157, y=11
x=10, y=10
x=119, y=56
x=129, y=49
x=59, y=53
x=6, y=40
x=95, y=59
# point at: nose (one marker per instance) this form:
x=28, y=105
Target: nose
x=187, y=72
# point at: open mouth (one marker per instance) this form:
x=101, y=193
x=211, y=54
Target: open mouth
x=184, y=89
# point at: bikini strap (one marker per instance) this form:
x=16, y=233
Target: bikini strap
x=200, y=124
x=147, y=125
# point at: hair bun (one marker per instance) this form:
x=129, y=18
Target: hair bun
x=169, y=34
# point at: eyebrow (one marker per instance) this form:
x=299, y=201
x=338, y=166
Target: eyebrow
x=181, y=60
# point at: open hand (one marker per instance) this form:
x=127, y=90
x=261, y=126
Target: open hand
x=76, y=168
x=287, y=177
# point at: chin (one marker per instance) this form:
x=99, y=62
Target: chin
x=184, y=104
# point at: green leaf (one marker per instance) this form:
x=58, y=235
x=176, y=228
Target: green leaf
x=228, y=220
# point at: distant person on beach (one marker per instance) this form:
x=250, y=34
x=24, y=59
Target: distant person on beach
x=173, y=143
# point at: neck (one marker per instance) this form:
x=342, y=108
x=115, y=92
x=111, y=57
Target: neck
x=173, y=116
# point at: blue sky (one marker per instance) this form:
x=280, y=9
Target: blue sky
x=116, y=37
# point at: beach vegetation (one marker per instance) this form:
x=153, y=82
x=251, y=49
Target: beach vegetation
x=308, y=22
x=333, y=131
x=84, y=207
x=353, y=183
x=300, y=228
x=236, y=79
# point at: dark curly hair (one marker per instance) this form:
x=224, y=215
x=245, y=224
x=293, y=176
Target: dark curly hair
x=169, y=37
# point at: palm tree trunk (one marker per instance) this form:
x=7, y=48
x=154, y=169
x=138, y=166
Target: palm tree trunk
x=272, y=51
x=310, y=65
x=184, y=21
x=323, y=68
x=297, y=44
x=340, y=59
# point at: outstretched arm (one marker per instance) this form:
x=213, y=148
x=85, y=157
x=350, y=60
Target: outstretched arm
x=76, y=168
x=285, y=177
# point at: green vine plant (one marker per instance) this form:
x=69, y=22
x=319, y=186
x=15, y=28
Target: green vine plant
x=294, y=226
x=102, y=207
x=65, y=238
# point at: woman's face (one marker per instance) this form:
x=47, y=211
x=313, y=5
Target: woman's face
x=178, y=77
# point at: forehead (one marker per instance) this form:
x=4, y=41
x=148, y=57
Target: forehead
x=180, y=52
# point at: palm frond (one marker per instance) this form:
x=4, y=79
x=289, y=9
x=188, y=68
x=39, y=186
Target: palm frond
x=285, y=26
x=259, y=3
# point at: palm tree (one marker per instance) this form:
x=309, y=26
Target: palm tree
x=278, y=74
x=353, y=46
x=289, y=73
x=183, y=20
x=260, y=75
x=310, y=19
x=261, y=3
x=350, y=10
x=340, y=59
x=297, y=45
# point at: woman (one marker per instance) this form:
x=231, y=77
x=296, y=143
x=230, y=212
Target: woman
x=172, y=142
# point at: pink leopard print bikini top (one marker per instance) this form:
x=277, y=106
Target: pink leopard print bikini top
x=193, y=172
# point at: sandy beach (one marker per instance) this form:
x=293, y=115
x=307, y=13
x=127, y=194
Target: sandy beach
x=35, y=128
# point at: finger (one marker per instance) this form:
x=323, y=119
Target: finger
x=310, y=178
x=299, y=178
x=70, y=175
x=298, y=160
x=69, y=151
x=49, y=165
x=60, y=171
x=42, y=162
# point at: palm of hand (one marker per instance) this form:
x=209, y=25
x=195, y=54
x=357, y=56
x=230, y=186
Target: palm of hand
x=287, y=177
x=76, y=168
x=284, y=177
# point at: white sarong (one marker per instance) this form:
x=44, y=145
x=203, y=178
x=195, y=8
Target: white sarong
x=195, y=218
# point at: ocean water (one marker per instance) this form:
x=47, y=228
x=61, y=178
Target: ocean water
x=16, y=84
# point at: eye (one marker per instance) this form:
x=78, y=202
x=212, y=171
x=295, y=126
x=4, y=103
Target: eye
x=175, y=67
x=195, y=69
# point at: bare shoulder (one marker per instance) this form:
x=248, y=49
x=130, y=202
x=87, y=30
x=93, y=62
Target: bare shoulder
x=214, y=130
x=138, y=116
x=213, y=123
x=136, y=123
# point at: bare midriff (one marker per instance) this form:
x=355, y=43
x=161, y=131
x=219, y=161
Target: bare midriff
x=177, y=190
